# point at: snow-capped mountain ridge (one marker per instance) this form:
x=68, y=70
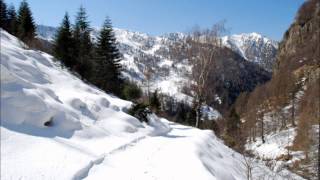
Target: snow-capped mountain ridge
x=142, y=52
x=253, y=47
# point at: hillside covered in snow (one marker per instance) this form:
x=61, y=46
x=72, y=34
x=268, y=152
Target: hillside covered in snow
x=247, y=64
x=54, y=126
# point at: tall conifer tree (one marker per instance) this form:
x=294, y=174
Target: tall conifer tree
x=26, y=25
x=64, y=43
x=84, y=46
x=12, y=20
x=108, y=60
x=3, y=15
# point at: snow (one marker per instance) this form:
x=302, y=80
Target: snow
x=183, y=153
x=90, y=135
x=275, y=144
x=85, y=121
x=253, y=47
x=149, y=158
x=166, y=62
x=210, y=113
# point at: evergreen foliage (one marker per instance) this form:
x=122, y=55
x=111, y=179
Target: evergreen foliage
x=26, y=25
x=97, y=63
x=108, y=68
x=12, y=21
x=3, y=15
x=64, y=43
x=140, y=111
x=131, y=91
x=83, y=45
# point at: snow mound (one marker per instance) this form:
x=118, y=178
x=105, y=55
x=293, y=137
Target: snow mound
x=51, y=118
x=37, y=87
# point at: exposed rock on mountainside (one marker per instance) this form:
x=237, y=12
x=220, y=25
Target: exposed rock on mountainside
x=254, y=48
x=291, y=99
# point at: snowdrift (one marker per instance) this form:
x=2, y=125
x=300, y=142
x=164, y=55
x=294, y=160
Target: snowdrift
x=45, y=110
x=35, y=89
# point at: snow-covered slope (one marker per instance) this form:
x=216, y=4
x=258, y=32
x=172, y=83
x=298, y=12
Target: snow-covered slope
x=83, y=121
x=253, y=47
x=54, y=126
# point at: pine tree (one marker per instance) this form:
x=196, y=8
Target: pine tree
x=108, y=73
x=3, y=15
x=12, y=20
x=83, y=45
x=64, y=43
x=26, y=25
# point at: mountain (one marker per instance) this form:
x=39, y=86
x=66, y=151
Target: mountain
x=254, y=48
x=251, y=46
x=252, y=55
x=55, y=126
x=283, y=114
x=46, y=32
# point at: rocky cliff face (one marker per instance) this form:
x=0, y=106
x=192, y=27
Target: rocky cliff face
x=300, y=45
x=291, y=99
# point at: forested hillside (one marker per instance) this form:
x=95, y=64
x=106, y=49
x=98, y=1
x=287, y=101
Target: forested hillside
x=290, y=101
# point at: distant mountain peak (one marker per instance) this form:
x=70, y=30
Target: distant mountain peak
x=254, y=47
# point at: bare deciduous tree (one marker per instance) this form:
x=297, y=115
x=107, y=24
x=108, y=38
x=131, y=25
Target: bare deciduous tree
x=203, y=47
x=248, y=163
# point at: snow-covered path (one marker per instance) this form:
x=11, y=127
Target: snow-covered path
x=83, y=172
x=182, y=153
x=174, y=155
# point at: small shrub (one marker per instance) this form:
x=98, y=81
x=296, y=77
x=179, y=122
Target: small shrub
x=131, y=91
x=306, y=11
x=211, y=125
x=229, y=141
x=140, y=111
x=284, y=157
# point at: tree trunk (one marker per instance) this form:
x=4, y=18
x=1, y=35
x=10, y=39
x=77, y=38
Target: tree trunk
x=198, y=116
x=148, y=89
x=292, y=111
x=262, y=131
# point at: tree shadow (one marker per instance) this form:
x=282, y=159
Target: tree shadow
x=173, y=136
x=186, y=128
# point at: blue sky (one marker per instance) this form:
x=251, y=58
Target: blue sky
x=268, y=17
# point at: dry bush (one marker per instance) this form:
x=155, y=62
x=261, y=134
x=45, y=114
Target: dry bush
x=309, y=115
x=213, y=125
x=306, y=11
